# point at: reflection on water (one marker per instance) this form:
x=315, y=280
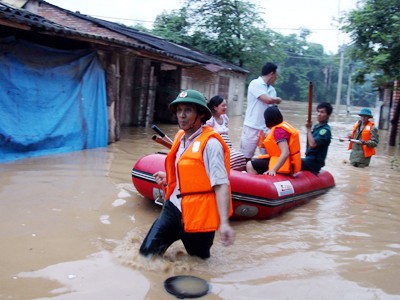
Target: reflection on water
x=72, y=225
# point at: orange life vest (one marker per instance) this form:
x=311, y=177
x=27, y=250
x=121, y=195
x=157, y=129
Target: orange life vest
x=293, y=162
x=365, y=136
x=199, y=203
x=261, y=138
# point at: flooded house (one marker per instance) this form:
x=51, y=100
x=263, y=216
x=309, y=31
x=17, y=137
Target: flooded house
x=71, y=81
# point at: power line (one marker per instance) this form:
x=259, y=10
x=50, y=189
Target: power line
x=125, y=19
x=307, y=57
x=291, y=56
x=274, y=28
x=299, y=28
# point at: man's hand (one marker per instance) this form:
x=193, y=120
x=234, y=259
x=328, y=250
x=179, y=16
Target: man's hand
x=223, y=202
x=227, y=234
x=308, y=125
x=161, y=178
x=271, y=172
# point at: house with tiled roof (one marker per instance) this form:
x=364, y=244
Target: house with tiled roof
x=126, y=77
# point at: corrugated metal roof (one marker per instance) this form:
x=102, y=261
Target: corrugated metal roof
x=154, y=44
x=161, y=44
x=40, y=24
x=21, y=16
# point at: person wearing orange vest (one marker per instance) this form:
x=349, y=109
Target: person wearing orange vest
x=282, y=144
x=367, y=138
x=198, y=197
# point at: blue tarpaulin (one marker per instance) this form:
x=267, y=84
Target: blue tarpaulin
x=51, y=100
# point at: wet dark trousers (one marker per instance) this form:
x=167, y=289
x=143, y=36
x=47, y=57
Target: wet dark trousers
x=168, y=228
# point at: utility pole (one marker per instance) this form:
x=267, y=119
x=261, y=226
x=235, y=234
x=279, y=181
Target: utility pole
x=349, y=89
x=340, y=78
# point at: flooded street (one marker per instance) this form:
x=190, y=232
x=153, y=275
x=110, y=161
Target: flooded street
x=71, y=226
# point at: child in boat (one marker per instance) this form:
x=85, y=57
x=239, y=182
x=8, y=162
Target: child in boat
x=219, y=121
x=282, y=144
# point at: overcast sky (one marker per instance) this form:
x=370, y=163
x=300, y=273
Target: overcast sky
x=284, y=16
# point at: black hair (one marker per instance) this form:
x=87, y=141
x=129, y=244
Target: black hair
x=203, y=110
x=272, y=116
x=268, y=68
x=328, y=107
x=214, y=101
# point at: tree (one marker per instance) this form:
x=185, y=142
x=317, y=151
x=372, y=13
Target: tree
x=173, y=26
x=304, y=62
x=234, y=31
x=227, y=25
x=374, y=29
x=262, y=47
x=140, y=27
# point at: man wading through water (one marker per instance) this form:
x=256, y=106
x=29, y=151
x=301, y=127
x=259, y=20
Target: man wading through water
x=197, y=196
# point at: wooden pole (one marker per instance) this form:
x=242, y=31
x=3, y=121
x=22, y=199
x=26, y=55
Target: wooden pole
x=159, y=140
x=162, y=134
x=310, y=91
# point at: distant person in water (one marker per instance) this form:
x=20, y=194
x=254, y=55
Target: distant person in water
x=220, y=122
x=366, y=134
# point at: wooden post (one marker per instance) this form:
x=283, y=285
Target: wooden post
x=310, y=92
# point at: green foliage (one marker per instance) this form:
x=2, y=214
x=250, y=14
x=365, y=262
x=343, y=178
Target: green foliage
x=301, y=63
x=234, y=31
x=374, y=29
x=226, y=25
x=261, y=48
x=173, y=26
x=140, y=27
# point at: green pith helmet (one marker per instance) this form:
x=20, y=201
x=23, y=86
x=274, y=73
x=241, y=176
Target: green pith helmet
x=365, y=112
x=191, y=96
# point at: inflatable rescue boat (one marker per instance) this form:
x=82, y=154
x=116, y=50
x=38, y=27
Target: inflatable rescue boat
x=253, y=196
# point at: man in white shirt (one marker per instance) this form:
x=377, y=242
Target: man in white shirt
x=260, y=95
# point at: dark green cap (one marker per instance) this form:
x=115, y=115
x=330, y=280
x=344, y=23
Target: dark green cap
x=191, y=96
x=365, y=112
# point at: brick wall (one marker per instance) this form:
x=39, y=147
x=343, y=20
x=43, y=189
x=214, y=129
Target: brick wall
x=197, y=78
x=208, y=83
x=59, y=16
x=394, y=112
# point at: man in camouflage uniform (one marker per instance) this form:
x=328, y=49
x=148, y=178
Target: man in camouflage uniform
x=367, y=138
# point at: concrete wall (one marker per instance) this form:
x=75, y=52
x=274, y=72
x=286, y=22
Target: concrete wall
x=208, y=83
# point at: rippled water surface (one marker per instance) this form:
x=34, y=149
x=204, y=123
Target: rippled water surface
x=71, y=226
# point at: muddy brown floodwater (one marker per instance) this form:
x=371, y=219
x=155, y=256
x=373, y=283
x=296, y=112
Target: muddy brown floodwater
x=71, y=226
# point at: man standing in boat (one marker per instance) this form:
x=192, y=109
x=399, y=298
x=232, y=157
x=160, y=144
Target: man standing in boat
x=318, y=140
x=260, y=95
x=197, y=185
